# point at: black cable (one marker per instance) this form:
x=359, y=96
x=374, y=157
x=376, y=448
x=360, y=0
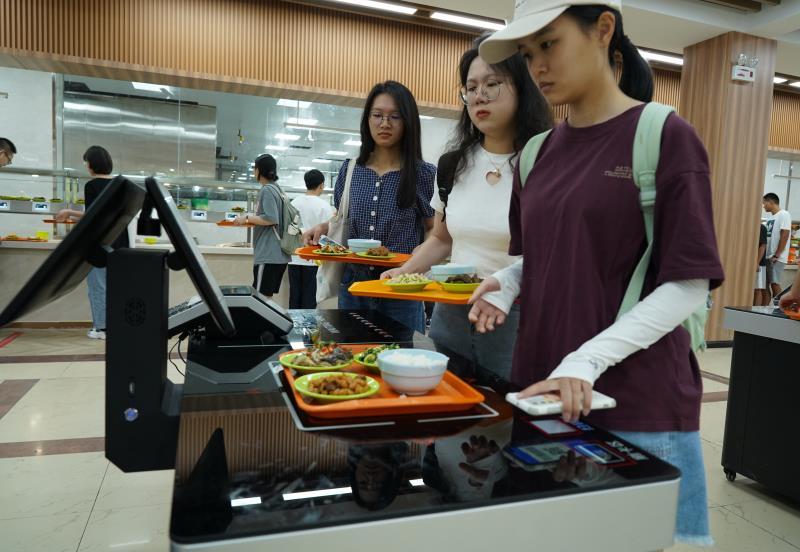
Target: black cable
x=177, y=343
x=180, y=340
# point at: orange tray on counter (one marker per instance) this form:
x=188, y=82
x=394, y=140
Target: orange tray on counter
x=794, y=315
x=54, y=221
x=228, y=223
x=451, y=395
x=308, y=254
x=432, y=293
x=23, y=239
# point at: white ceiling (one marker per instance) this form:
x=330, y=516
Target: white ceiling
x=672, y=25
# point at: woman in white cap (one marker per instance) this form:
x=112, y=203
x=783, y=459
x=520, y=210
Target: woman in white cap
x=577, y=219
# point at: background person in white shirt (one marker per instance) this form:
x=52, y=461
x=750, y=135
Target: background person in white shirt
x=779, y=228
x=313, y=210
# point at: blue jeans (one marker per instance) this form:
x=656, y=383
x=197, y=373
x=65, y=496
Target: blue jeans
x=409, y=313
x=682, y=450
x=96, y=281
x=492, y=351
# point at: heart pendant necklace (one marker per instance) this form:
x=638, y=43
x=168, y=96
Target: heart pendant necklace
x=492, y=177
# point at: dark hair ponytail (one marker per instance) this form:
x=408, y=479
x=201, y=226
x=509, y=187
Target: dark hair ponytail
x=637, y=78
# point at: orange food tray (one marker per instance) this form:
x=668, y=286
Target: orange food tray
x=54, y=221
x=451, y=395
x=229, y=223
x=308, y=254
x=432, y=293
x=794, y=315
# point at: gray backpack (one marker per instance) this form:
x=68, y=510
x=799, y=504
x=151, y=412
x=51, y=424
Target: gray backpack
x=291, y=234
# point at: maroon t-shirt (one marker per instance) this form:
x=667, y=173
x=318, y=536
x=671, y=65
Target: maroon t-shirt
x=579, y=225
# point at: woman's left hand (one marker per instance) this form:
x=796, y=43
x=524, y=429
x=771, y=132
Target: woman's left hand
x=576, y=395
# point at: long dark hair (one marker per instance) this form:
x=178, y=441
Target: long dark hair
x=637, y=77
x=533, y=112
x=410, y=144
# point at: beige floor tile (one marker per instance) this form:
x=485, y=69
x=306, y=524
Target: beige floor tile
x=734, y=534
x=85, y=370
x=50, y=485
x=773, y=514
x=712, y=421
x=130, y=529
x=126, y=490
x=722, y=492
x=52, y=342
x=33, y=370
x=716, y=361
x=709, y=386
x=60, y=533
x=62, y=408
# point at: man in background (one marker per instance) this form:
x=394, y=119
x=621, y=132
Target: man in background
x=313, y=210
x=7, y=151
x=779, y=227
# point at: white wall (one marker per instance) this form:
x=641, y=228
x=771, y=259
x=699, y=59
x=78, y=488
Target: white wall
x=26, y=118
x=780, y=186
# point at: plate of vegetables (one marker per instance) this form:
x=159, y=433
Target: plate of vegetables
x=320, y=357
x=333, y=250
x=407, y=282
x=369, y=357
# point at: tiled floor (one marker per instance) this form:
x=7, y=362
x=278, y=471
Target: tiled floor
x=79, y=501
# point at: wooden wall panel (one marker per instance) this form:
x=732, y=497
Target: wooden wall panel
x=733, y=120
x=278, y=44
x=784, y=132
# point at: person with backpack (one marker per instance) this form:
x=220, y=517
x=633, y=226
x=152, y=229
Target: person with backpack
x=269, y=260
x=502, y=110
x=622, y=184
x=389, y=189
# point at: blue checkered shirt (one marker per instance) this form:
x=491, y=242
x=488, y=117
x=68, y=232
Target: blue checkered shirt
x=373, y=211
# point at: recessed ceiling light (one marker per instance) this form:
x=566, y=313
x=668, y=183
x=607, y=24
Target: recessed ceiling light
x=189, y=161
x=294, y=103
x=779, y=80
x=383, y=6
x=277, y=148
x=300, y=121
x=196, y=188
x=663, y=58
x=795, y=84
x=306, y=168
x=290, y=137
x=353, y=143
x=220, y=188
x=172, y=170
x=151, y=87
x=334, y=152
x=426, y=117
x=468, y=21
x=321, y=160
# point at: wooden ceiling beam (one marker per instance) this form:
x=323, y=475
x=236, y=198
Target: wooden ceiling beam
x=742, y=5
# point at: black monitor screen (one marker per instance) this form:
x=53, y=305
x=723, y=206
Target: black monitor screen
x=69, y=263
x=196, y=265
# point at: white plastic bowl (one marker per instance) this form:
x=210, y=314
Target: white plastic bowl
x=360, y=246
x=412, y=371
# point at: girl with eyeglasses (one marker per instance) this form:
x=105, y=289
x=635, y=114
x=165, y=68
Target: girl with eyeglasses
x=502, y=110
x=577, y=220
x=390, y=194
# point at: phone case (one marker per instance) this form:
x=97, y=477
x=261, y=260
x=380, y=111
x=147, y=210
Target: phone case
x=544, y=405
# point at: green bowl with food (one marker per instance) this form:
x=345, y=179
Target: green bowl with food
x=407, y=283
x=336, y=386
x=459, y=287
x=369, y=357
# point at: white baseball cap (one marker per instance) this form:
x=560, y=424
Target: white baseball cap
x=530, y=16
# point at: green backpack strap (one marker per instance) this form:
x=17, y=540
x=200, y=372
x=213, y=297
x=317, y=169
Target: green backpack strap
x=646, y=152
x=529, y=154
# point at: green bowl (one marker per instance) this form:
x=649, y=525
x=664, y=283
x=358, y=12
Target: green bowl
x=301, y=384
x=406, y=288
x=379, y=257
x=372, y=367
x=459, y=288
x=286, y=360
